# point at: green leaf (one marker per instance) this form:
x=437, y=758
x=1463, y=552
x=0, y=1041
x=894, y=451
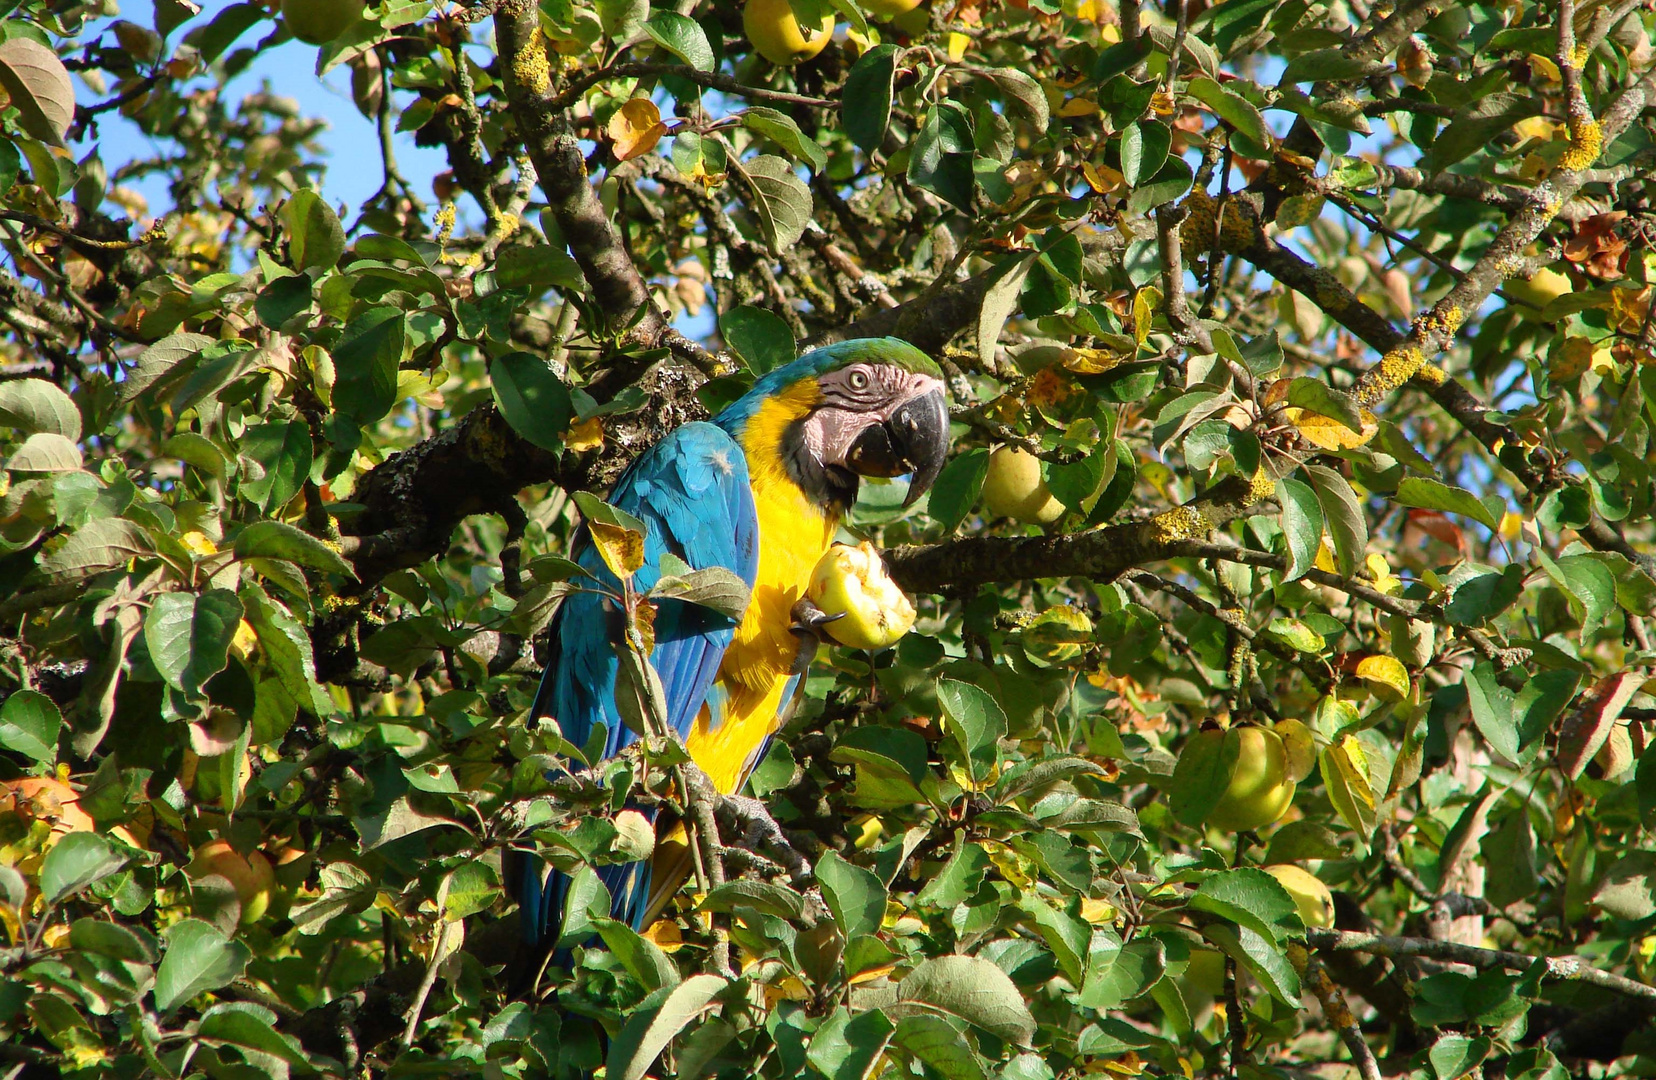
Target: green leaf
x=532, y=398
x=366, y=362
x=189, y=636
x=650, y=1029
x=1133, y=971
x=1628, y=888
x=1171, y=181
x=779, y=200
x=971, y=989
x=283, y=451
x=959, y=878
x=279, y=540
x=761, y=338
x=957, y=487
x=715, y=588
x=1428, y=494
x=286, y=648
x=1327, y=65
x=97, y=545
x=1302, y=525
x=762, y=896
x=865, y=104
x=847, y=1047
x=975, y=721
x=1024, y=98
x=35, y=405
x=1201, y=777
x=1317, y=396
x=940, y=155
x=316, y=239
x=780, y=129
x=1144, y=149
x=641, y=956
x=538, y=268
x=1235, y=110
x=682, y=36
x=243, y=1024
x=1475, y=127
x=200, y=451
x=44, y=452
x=1453, y=1056
x=934, y=1041
x=1251, y=898
x=76, y=861
x=1344, y=515
x=198, y=959
x=30, y=724
x=855, y=895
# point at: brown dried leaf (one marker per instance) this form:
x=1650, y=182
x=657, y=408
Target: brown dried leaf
x=1586, y=729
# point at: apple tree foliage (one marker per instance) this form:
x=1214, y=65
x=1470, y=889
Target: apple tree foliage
x=1330, y=323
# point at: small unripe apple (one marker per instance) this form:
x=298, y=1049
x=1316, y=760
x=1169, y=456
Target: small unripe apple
x=1260, y=790
x=1014, y=488
x=251, y=875
x=852, y=582
x=1311, y=896
x=777, y=36
x=317, y=22
x=635, y=837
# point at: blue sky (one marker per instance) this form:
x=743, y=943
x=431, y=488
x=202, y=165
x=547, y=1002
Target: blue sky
x=351, y=140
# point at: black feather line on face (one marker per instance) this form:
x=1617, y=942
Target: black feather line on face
x=829, y=486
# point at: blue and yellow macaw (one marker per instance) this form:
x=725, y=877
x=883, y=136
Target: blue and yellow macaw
x=760, y=491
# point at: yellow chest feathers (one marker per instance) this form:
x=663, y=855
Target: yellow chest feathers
x=793, y=534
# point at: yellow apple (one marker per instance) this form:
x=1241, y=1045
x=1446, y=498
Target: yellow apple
x=888, y=9
x=852, y=582
x=1311, y=896
x=317, y=22
x=1014, y=489
x=774, y=31
x=1545, y=286
x=1260, y=790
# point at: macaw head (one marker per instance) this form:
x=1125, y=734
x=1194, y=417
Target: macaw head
x=868, y=407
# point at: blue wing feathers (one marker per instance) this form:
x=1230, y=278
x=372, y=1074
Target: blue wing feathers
x=691, y=490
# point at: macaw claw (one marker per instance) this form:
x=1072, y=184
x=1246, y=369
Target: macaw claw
x=808, y=621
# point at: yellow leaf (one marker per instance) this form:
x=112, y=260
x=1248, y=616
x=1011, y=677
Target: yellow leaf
x=622, y=549
x=1385, y=676
x=1512, y=526
x=1091, y=361
x=635, y=128
x=666, y=935
x=1145, y=304
x=1325, y=557
x=1161, y=103
x=1345, y=772
x=1101, y=178
x=958, y=44
x=1097, y=911
x=586, y=435
x=1079, y=106
x=1328, y=433
x=1384, y=580
x=198, y=542
x=1572, y=358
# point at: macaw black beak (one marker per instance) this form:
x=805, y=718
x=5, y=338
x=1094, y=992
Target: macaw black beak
x=914, y=440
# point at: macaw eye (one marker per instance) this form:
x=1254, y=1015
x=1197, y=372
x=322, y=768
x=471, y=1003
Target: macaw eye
x=858, y=380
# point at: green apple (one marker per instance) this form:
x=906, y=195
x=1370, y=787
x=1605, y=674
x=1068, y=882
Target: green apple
x=1260, y=788
x=852, y=582
x=775, y=32
x=1014, y=489
x=1311, y=896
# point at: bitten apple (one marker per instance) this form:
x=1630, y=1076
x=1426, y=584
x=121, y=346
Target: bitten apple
x=852, y=582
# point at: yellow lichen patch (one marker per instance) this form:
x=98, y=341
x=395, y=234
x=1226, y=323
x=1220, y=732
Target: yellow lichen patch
x=1179, y=524
x=1394, y=369
x=1431, y=375
x=1586, y=140
x=530, y=67
x=1261, y=486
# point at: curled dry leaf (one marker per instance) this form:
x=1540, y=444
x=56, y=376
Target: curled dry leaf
x=635, y=128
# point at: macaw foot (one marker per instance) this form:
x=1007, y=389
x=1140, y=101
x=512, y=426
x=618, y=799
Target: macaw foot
x=808, y=621
x=752, y=829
